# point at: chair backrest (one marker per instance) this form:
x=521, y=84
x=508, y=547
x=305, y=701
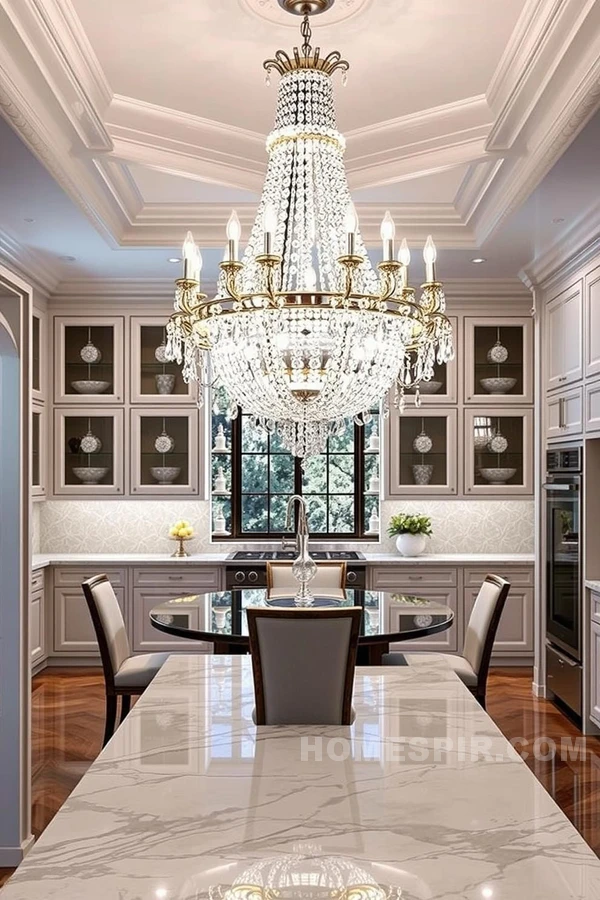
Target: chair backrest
x=330, y=575
x=109, y=624
x=303, y=661
x=483, y=624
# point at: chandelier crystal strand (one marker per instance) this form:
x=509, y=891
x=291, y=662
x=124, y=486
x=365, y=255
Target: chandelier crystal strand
x=303, y=333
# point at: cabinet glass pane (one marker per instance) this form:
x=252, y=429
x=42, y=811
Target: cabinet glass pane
x=498, y=450
x=36, y=421
x=89, y=359
x=171, y=435
x=438, y=384
x=423, y=450
x=498, y=355
x=94, y=434
x=158, y=377
x=35, y=356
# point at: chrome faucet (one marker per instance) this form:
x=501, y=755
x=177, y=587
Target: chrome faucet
x=302, y=522
x=304, y=568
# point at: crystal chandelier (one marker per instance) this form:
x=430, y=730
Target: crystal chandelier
x=304, y=352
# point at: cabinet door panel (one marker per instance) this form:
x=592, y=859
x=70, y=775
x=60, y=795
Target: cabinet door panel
x=445, y=641
x=37, y=629
x=564, y=337
x=595, y=672
x=146, y=638
x=564, y=414
x=73, y=629
x=592, y=406
x=592, y=323
x=515, y=631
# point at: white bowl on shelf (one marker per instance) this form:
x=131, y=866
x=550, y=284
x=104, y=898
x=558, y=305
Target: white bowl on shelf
x=90, y=474
x=165, y=474
x=90, y=387
x=497, y=385
x=498, y=475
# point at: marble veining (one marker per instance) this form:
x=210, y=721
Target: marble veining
x=421, y=798
x=141, y=526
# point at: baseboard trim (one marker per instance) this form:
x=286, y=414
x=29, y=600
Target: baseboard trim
x=11, y=857
x=539, y=690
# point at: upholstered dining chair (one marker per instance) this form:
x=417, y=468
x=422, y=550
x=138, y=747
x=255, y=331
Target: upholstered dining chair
x=303, y=662
x=124, y=675
x=330, y=578
x=473, y=665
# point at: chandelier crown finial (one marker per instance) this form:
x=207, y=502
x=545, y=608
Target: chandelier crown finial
x=306, y=57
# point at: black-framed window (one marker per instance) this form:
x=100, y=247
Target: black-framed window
x=260, y=476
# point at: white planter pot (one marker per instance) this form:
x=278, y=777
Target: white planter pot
x=411, y=544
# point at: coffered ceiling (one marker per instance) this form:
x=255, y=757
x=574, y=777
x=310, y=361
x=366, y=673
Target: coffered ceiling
x=150, y=117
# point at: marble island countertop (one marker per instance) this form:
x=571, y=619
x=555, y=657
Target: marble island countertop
x=593, y=586
x=421, y=798
x=41, y=560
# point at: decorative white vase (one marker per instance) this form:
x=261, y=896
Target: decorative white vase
x=411, y=544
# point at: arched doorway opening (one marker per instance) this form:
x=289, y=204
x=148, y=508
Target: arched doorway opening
x=15, y=564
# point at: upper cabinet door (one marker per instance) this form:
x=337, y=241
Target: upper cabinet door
x=498, y=360
x=88, y=360
x=154, y=380
x=443, y=387
x=38, y=355
x=564, y=337
x=592, y=322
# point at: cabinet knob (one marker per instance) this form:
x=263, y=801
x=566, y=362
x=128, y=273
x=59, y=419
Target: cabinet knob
x=240, y=576
x=253, y=577
x=415, y=577
x=175, y=577
x=351, y=577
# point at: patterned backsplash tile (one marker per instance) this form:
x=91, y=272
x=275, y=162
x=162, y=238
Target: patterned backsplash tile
x=139, y=526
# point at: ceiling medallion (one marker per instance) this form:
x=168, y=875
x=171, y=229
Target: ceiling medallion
x=304, y=333
x=330, y=13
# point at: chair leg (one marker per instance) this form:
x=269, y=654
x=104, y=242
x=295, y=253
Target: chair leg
x=111, y=717
x=125, y=706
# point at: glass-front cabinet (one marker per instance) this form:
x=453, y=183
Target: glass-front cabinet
x=164, y=452
x=498, y=354
x=88, y=360
x=38, y=355
x=88, y=452
x=498, y=451
x=39, y=443
x=154, y=380
x=443, y=387
x=421, y=455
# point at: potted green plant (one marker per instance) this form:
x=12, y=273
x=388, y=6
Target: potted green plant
x=411, y=532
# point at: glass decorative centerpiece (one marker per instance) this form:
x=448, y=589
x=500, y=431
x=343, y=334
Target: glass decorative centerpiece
x=303, y=333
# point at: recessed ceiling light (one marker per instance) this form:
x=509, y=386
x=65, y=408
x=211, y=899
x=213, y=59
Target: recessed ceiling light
x=29, y=220
x=557, y=220
x=478, y=259
x=67, y=258
x=174, y=259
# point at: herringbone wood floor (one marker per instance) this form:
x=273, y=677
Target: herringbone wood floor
x=68, y=720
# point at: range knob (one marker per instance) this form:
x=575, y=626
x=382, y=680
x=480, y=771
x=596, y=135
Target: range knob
x=253, y=577
x=351, y=577
x=240, y=576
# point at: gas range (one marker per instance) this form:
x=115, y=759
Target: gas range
x=248, y=568
x=265, y=555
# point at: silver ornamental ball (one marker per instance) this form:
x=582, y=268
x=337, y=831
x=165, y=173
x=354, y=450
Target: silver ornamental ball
x=160, y=354
x=90, y=443
x=422, y=443
x=498, y=444
x=498, y=353
x=90, y=353
x=164, y=443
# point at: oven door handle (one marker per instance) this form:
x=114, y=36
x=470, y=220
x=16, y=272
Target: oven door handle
x=560, y=487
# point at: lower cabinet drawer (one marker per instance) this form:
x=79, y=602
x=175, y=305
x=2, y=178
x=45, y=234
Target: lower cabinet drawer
x=72, y=576
x=73, y=629
x=195, y=579
x=517, y=575
x=595, y=607
x=407, y=578
x=443, y=642
x=37, y=627
x=515, y=631
x=37, y=580
x=147, y=639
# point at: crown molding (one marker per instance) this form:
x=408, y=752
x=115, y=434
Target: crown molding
x=575, y=247
x=29, y=264
x=148, y=291
x=473, y=289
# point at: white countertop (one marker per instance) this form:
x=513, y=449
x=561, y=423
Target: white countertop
x=427, y=800
x=40, y=560
x=593, y=586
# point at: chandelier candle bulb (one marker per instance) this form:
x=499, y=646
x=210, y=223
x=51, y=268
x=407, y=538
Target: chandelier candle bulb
x=234, y=233
x=404, y=258
x=388, y=232
x=429, y=256
x=351, y=226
